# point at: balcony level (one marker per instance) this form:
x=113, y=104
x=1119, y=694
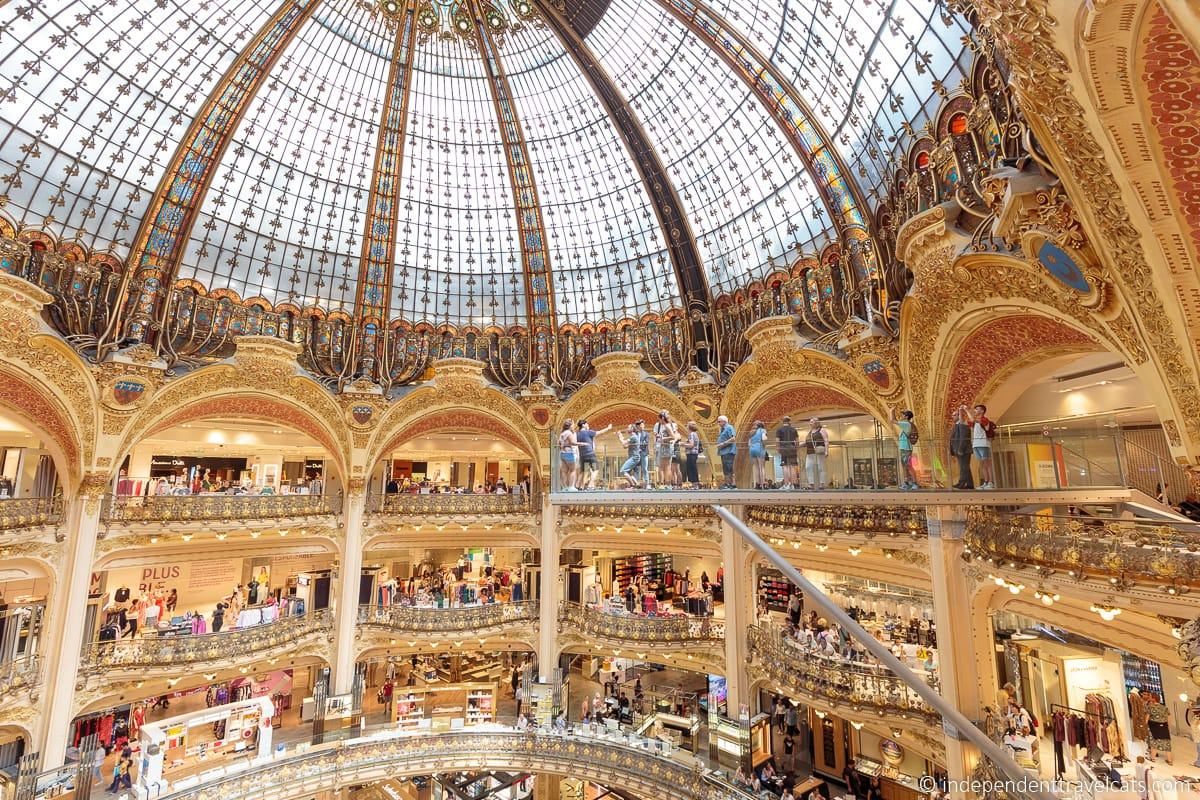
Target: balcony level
x=151, y=656
x=858, y=691
x=496, y=626
x=687, y=642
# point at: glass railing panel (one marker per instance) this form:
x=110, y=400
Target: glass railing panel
x=1059, y=462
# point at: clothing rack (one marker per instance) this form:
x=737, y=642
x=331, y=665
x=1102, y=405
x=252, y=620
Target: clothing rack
x=1102, y=720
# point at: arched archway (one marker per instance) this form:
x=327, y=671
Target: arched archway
x=987, y=349
x=34, y=410
x=239, y=405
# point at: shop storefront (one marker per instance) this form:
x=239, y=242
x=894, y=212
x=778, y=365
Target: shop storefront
x=180, y=598
x=1096, y=707
x=175, y=752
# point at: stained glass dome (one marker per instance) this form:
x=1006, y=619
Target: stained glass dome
x=463, y=162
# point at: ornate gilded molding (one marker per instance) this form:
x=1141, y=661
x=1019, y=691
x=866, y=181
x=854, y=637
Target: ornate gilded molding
x=30, y=512
x=466, y=622
x=633, y=766
x=290, y=508
x=865, y=521
x=1123, y=552
x=288, y=637
x=678, y=639
x=1039, y=73
x=854, y=690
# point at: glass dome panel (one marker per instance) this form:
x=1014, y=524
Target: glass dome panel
x=283, y=218
x=606, y=247
x=96, y=98
x=749, y=199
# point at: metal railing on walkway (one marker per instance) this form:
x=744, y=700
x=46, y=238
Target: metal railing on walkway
x=218, y=507
x=640, y=630
x=143, y=652
x=475, y=620
x=30, y=512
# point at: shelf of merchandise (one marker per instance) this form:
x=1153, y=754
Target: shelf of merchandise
x=650, y=565
x=409, y=712
x=481, y=706
x=775, y=589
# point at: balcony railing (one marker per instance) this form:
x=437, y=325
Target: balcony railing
x=642, y=630
x=628, y=761
x=869, y=521
x=218, y=507
x=404, y=503
x=18, y=674
x=30, y=512
x=1020, y=461
x=855, y=686
x=475, y=620
x=1122, y=551
x=145, y=652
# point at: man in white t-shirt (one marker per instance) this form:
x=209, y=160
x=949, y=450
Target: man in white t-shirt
x=982, y=432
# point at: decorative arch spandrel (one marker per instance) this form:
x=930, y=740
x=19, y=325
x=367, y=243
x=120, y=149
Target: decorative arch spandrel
x=225, y=390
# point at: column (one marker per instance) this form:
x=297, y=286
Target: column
x=349, y=578
x=547, y=786
x=548, y=604
x=963, y=653
x=738, y=609
x=64, y=633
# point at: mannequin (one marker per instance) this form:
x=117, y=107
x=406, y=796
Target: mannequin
x=1138, y=717
x=593, y=593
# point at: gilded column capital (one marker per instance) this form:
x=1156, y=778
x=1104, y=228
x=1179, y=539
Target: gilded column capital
x=92, y=488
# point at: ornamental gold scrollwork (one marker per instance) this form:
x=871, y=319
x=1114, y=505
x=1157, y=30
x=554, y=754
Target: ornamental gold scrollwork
x=632, y=765
x=857, y=688
x=1122, y=551
x=475, y=621
x=283, y=636
x=647, y=632
x=1025, y=32
x=212, y=507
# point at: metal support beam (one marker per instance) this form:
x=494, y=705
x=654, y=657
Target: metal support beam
x=161, y=239
x=372, y=305
x=954, y=721
x=677, y=231
x=535, y=255
x=841, y=194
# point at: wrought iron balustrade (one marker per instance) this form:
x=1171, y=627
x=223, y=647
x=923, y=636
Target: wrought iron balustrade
x=472, y=620
x=626, y=761
x=142, y=652
x=404, y=503
x=30, y=512
x=642, y=630
x=212, y=507
x=858, y=686
x=867, y=520
x=22, y=672
x=1122, y=551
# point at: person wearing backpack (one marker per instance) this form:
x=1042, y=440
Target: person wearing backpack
x=983, y=430
x=907, y=435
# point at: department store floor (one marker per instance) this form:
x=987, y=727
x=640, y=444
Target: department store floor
x=290, y=731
